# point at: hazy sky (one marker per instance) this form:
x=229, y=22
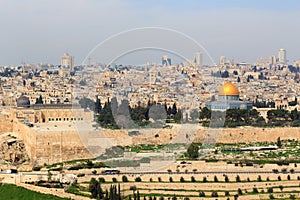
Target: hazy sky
x=37, y=31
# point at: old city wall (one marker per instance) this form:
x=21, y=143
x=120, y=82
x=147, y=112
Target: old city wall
x=225, y=135
x=58, y=146
x=28, y=135
x=50, y=146
x=63, y=145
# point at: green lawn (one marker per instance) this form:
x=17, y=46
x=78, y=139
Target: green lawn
x=12, y=192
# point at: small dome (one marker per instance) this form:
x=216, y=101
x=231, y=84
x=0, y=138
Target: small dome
x=229, y=89
x=23, y=101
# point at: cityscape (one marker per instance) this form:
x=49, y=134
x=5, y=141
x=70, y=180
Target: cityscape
x=166, y=117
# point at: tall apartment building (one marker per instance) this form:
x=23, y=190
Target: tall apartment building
x=67, y=61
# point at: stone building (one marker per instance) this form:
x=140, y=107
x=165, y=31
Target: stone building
x=228, y=99
x=49, y=113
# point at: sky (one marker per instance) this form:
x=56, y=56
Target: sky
x=33, y=31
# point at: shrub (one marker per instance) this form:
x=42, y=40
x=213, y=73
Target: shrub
x=77, y=167
x=259, y=178
x=124, y=179
x=216, y=179
x=270, y=190
x=138, y=179
x=193, y=179
x=280, y=187
x=132, y=187
x=240, y=191
x=80, y=175
x=226, y=179
x=94, y=172
x=201, y=194
x=214, y=194
x=255, y=190
x=114, y=180
x=181, y=179
x=37, y=168
x=101, y=180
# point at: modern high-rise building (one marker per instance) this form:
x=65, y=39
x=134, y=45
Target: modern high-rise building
x=282, y=56
x=222, y=60
x=67, y=61
x=166, y=61
x=273, y=60
x=198, y=58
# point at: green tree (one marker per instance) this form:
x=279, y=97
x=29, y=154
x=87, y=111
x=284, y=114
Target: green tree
x=226, y=179
x=214, y=194
x=193, y=179
x=97, y=105
x=278, y=143
x=174, y=109
x=124, y=178
x=201, y=194
x=240, y=192
x=39, y=100
x=193, y=151
x=216, y=179
x=237, y=178
x=255, y=190
x=95, y=189
x=182, y=179
x=270, y=190
x=138, y=179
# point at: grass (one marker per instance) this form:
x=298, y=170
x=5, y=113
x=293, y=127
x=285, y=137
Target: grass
x=12, y=192
x=78, y=190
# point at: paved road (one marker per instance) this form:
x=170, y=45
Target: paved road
x=198, y=172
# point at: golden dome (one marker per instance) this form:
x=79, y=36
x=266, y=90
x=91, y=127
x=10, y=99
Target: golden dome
x=229, y=89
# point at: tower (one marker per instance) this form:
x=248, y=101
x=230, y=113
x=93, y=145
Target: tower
x=67, y=61
x=198, y=58
x=222, y=60
x=282, y=56
x=166, y=61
